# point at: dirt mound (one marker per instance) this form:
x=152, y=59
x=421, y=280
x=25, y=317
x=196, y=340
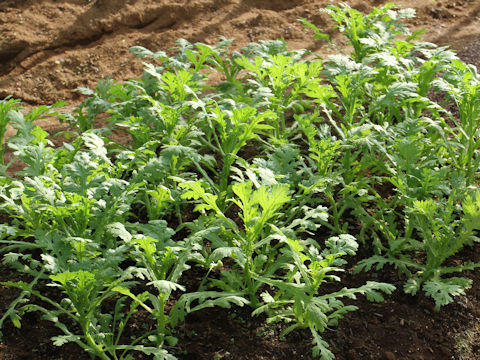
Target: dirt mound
x=50, y=47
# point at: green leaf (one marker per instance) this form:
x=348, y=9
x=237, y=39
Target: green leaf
x=95, y=144
x=15, y=319
x=82, y=277
x=471, y=208
x=61, y=340
x=225, y=252
x=318, y=34
x=367, y=264
x=341, y=244
x=412, y=286
x=204, y=299
x=442, y=290
x=156, y=229
x=316, y=317
x=320, y=347
x=171, y=340
x=118, y=230
x=165, y=286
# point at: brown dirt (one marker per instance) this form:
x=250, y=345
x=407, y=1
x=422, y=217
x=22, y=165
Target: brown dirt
x=50, y=47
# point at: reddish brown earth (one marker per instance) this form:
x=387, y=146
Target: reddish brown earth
x=50, y=47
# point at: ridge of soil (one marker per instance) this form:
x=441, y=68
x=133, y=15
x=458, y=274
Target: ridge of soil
x=48, y=48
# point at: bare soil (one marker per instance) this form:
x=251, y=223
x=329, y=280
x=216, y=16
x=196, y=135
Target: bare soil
x=48, y=48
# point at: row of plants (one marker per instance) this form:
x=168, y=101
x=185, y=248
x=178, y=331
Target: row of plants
x=270, y=181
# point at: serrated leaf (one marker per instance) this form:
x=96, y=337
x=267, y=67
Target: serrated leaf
x=204, y=299
x=225, y=252
x=165, y=286
x=118, y=230
x=442, y=290
x=95, y=144
x=267, y=298
x=320, y=347
x=61, y=340
x=155, y=229
x=412, y=286
x=316, y=318
x=367, y=264
x=342, y=244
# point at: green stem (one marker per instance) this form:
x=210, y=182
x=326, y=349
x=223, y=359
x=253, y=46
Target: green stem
x=161, y=321
x=224, y=177
x=98, y=350
x=217, y=140
x=209, y=145
x=250, y=285
x=336, y=222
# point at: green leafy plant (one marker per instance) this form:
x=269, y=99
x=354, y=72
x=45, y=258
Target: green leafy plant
x=99, y=332
x=260, y=181
x=7, y=105
x=297, y=300
x=462, y=85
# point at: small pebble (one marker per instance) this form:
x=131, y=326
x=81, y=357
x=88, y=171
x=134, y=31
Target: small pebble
x=388, y=355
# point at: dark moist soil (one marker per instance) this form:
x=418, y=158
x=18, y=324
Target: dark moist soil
x=50, y=47
x=403, y=327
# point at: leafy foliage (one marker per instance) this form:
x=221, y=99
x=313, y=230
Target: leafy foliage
x=259, y=181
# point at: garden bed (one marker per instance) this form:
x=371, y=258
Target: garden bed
x=279, y=162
